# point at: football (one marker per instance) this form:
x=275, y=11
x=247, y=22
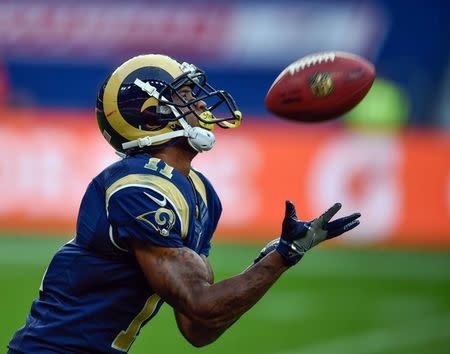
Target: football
x=320, y=87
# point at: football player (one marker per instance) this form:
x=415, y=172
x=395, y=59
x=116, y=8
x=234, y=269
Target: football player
x=145, y=224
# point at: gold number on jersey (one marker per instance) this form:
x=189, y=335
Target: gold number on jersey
x=152, y=164
x=125, y=338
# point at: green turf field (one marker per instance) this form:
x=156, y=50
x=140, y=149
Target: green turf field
x=335, y=301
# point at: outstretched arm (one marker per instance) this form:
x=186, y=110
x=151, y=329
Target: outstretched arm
x=205, y=310
x=183, y=279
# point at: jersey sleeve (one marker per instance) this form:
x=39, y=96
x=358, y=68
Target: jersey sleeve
x=145, y=214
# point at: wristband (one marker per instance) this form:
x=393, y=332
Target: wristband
x=289, y=252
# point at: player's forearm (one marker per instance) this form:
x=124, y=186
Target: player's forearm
x=221, y=304
x=181, y=278
x=196, y=333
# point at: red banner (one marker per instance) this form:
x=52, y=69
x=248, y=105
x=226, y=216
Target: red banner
x=400, y=183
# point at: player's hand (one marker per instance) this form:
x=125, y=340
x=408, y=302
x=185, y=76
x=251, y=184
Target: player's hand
x=298, y=236
x=272, y=245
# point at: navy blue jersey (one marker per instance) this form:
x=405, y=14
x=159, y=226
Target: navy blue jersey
x=94, y=297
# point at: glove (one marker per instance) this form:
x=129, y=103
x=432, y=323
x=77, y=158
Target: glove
x=297, y=236
x=272, y=245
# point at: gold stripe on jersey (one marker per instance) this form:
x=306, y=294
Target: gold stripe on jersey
x=163, y=186
x=126, y=337
x=199, y=186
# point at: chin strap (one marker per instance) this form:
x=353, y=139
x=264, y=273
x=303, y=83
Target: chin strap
x=198, y=138
x=201, y=139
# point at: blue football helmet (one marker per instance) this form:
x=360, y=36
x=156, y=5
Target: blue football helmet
x=136, y=109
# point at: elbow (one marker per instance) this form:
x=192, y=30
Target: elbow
x=199, y=336
x=202, y=321
x=200, y=326
x=198, y=342
x=209, y=317
x=196, y=333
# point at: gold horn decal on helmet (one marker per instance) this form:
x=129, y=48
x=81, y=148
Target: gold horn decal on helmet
x=110, y=105
x=151, y=102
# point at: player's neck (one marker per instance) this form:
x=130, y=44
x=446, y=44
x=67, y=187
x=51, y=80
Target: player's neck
x=178, y=157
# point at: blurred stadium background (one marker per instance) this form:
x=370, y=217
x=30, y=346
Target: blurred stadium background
x=384, y=289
